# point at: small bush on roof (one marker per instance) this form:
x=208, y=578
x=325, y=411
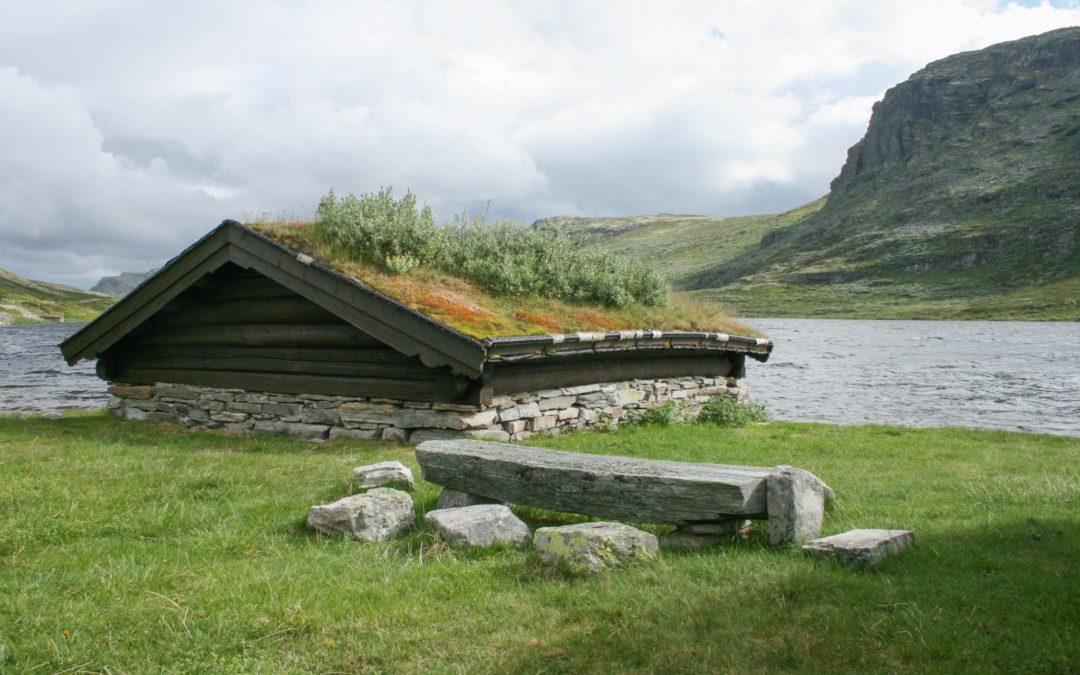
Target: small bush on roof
x=505, y=257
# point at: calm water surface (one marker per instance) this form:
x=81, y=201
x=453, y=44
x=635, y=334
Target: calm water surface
x=984, y=374
x=998, y=375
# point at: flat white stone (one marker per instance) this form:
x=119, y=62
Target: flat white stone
x=479, y=525
x=383, y=473
x=863, y=547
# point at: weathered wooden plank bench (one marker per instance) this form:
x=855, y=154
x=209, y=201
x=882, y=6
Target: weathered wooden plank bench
x=625, y=488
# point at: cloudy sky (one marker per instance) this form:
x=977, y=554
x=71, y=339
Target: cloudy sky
x=130, y=127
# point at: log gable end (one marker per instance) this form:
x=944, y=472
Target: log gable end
x=236, y=328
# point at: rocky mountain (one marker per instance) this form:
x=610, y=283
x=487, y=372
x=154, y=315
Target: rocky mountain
x=961, y=201
x=121, y=284
x=26, y=301
x=965, y=186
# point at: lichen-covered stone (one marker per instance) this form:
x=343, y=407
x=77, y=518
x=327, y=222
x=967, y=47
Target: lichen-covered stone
x=587, y=548
x=376, y=515
x=383, y=473
x=479, y=525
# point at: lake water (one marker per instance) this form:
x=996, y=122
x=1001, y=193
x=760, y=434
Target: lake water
x=995, y=375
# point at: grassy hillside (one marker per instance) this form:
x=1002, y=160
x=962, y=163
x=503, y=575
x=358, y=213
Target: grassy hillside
x=682, y=246
x=149, y=548
x=27, y=301
x=962, y=201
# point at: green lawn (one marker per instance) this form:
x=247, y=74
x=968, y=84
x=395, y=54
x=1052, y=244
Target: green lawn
x=137, y=547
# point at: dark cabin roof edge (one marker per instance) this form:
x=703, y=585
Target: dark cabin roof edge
x=533, y=346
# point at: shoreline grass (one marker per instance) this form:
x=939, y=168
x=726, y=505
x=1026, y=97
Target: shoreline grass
x=140, y=547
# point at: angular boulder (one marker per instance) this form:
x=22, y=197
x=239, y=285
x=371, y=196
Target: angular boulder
x=795, y=500
x=863, y=547
x=587, y=548
x=383, y=473
x=376, y=515
x=479, y=525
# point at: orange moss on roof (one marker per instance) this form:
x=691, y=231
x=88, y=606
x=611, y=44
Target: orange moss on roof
x=470, y=309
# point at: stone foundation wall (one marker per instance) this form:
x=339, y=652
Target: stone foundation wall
x=508, y=418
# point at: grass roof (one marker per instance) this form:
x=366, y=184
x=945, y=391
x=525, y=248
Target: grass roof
x=475, y=311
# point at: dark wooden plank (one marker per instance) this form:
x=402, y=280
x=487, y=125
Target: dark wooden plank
x=201, y=258
x=557, y=372
x=187, y=311
x=399, y=371
x=357, y=355
x=604, y=486
x=261, y=335
x=443, y=390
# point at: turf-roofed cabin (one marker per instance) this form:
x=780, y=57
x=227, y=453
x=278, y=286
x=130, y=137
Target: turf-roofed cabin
x=244, y=332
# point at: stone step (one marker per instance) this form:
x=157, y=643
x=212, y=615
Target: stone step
x=862, y=547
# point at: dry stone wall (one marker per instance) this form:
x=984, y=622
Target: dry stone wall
x=508, y=418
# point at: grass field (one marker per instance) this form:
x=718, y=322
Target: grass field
x=136, y=547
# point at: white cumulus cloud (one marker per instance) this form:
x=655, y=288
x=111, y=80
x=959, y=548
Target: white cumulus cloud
x=130, y=128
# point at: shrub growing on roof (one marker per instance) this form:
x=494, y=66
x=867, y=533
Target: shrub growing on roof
x=505, y=257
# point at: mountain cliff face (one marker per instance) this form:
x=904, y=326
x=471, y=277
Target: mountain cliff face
x=967, y=182
x=121, y=284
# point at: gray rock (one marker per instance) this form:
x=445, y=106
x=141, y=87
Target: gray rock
x=586, y=548
x=383, y=473
x=452, y=499
x=395, y=435
x=421, y=435
x=479, y=525
x=376, y=515
x=308, y=432
x=862, y=548
x=497, y=435
x=355, y=434
x=315, y=415
x=557, y=402
x=364, y=411
x=796, y=505
x=52, y=415
x=523, y=411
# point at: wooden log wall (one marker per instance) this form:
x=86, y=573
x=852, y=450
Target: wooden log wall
x=238, y=329
x=568, y=371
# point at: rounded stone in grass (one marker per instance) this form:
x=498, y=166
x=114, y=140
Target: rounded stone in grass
x=376, y=515
x=479, y=525
x=587, y=548
x=382, y=474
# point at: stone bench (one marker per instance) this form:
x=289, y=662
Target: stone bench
x=625, y=488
